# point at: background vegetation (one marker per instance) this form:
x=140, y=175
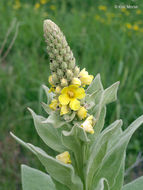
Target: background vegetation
x=104, y=39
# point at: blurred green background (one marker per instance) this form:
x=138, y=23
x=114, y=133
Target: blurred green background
x=104, y=39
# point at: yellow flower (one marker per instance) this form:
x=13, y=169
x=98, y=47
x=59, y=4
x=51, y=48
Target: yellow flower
x=102, y=8
x=17, y=5
x=88, y=124
x=76, y=81
x=52, y=89
x=138, y=12
x=54, y=104
x=37, y=5
x=53, y=7
x=50, y=80
x=85, y=78
x=70, y=94
x=58, y=90
x=64, y=110
x=64, y=82
x=43, y=2
x=97, y=17
x=82, y=112
x=135, y=27
x=128, y=25
x=64, y=157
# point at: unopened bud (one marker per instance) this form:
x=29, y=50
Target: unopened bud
x=54, y=78
x=69, y=74
x=76, y=81
x=64, y=82
x=63, y=65
x=76, y=71
x=58, y=90
x=60, y=73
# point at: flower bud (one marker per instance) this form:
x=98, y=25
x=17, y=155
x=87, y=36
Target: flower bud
x=64, y=157
x=50, y=80
x=64, y=82
x=54, y=104
x=58, y=90
x=69, y=74
x=88, y=124
x=60, y=73
x=76, y=71
x=82, y=113
x=58, y=48
x=54, y=78
x=76, y=81
x=63, y=65
x=72, y=64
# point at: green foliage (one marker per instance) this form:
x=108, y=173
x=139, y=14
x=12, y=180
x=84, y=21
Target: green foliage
x=33, y=179
x=135, y=185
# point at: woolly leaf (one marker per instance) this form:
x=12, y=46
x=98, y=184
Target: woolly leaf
x=50, y=135
x=63, y=173
x=96, y=85
x=102, y=185
x=99, y=150
x=33, y=179
x=134, y=185
x=110, y=94
x=112, y=158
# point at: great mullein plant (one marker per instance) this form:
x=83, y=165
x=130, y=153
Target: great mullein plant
x=88, y=156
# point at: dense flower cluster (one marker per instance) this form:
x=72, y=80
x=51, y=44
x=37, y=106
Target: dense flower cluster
x=67, y=81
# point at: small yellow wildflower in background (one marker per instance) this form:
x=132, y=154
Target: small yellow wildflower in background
x=45, y=14
x=64, y=157
x=102, y=8
x=141, y=29
x=138, y=12
x=43, y=2
x=128, y=25
x=82, y=112
x=54, y=104
x=17, y=4
x=97, y=17
x=136, y=27
x=85, y=78
x=37, y=5
x=88, y=125
x=53, y=7
x=70, y=94
x=125, y=11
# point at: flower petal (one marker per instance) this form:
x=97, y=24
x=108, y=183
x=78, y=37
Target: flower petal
x=64, y=99
x=64, y=110
x=74, y=104
x=65, y=90
x=80, y=93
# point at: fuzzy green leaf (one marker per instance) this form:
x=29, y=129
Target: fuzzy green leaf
x=95, y=86
x=64, y=173
x=50, y=135
x=48, y=94
x=99, y=150
x=33, y=179
x=134, y=185
x=102, y=185
x=110, y=94
x=112, y=158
